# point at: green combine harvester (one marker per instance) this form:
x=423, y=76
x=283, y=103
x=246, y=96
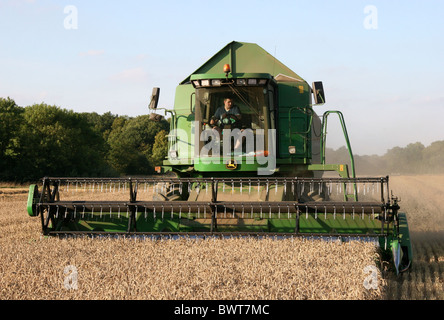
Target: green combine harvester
x=246, y=157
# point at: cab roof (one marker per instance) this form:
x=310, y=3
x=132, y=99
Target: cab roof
x=244, y=57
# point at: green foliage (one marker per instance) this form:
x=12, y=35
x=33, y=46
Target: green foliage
x=160, y=148
x=433, y=157
x=131, y=144
x=11, y=116
x=101, y=123
x=415, y=158
x=43, y=140
x=57, y=142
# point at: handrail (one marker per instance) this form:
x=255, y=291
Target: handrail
x=347, y=140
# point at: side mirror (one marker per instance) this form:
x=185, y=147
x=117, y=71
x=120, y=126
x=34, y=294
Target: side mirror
x=154, y=98
x=318, y=92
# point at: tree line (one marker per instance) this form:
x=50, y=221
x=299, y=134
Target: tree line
x=43, y=140
x=415, y=158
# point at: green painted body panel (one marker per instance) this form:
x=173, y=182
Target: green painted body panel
x=193, y=222
x=116, y=222
x=328, y=224
x=206, y=165
x=404, y=231
x=294, y=121
x=183, y=123
x=244, y=58
x=30, y=207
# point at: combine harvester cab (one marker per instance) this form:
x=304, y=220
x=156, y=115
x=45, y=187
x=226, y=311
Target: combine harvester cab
x=246, y=157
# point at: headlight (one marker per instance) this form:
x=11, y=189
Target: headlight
x=173, y=154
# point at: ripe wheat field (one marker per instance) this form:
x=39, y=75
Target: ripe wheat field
x=36, y=267
x=422, y=199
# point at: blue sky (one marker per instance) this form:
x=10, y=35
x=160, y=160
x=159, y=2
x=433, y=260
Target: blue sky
x=386, y=81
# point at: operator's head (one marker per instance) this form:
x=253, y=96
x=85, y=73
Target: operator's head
x=228, y=102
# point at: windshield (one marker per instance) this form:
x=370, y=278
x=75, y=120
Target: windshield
x=250, y=101
x=233, y=107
